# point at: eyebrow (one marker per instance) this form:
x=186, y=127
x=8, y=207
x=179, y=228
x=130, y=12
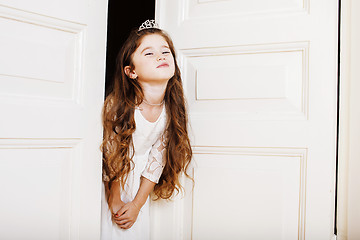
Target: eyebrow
x=163, y=46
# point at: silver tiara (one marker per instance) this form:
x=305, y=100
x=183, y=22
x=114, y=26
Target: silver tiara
x=148, y=24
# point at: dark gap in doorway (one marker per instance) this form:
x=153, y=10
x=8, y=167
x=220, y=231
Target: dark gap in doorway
x=123, y=16
x=338, y=119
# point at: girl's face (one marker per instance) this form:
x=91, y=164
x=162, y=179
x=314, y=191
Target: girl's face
x=152, y=60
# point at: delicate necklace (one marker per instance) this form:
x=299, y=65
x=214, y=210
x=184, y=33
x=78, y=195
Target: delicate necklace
x=153, y=104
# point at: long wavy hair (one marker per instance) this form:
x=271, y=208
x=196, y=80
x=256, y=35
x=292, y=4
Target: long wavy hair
x=119, y=123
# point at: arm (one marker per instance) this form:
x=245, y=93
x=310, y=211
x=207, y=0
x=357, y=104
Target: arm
x=115, y=199
x=128, y=213
x=112, y=194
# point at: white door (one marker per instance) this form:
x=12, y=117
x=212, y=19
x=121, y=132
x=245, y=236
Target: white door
x=52, y=56
x=261, y=83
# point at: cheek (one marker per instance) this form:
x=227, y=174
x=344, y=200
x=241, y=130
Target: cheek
x=140, y=65
x=172, y=61
x=173, y=70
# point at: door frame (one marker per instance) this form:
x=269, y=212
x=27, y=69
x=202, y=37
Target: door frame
x=348, y=194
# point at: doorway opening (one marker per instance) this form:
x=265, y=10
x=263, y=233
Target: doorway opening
x=123, y=16
x=338, y=122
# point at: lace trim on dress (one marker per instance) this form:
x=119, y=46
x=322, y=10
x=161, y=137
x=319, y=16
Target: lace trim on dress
x=156, y=162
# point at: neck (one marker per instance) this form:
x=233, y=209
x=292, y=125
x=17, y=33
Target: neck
x=153, y=93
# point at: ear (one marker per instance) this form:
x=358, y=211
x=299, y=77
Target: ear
x=130, y=73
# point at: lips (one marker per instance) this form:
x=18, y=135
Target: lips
x=163, y=65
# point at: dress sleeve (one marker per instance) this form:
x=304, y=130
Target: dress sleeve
x=156, y=161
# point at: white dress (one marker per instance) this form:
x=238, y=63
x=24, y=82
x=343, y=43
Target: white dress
x=149, y=163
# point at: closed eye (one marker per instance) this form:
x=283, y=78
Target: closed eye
x=166, y=52
x=148, y=54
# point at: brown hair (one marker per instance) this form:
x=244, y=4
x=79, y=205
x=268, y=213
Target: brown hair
x=119, y=123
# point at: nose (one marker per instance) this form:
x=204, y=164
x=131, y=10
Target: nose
x=160, y=57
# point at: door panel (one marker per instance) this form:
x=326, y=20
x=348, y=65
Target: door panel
x=32, y=45
x=51, y=90
x=256, y=206
x=239, y=75
x=261, y=85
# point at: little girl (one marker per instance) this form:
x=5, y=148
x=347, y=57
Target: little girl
x=146, y=145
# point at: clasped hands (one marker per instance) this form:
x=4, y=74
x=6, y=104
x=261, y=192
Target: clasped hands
x=125, y=214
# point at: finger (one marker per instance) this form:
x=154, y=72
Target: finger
x=122, y=210
x=122, y=222
x=123, y=217
x=117, y=217
x=120, y=218
x=126, y=225
x=119, y=213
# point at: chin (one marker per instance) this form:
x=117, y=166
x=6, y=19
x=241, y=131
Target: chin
x=166, y=77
